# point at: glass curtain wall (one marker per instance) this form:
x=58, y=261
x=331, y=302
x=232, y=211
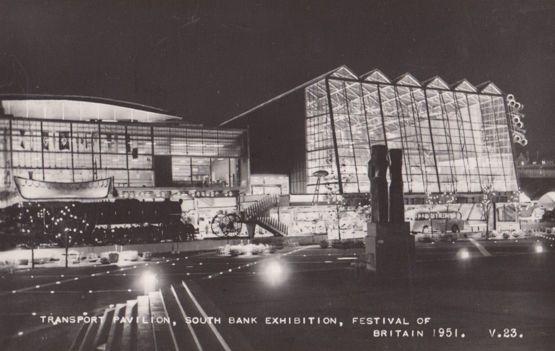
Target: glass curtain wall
x=454, y=140
x=82, y=151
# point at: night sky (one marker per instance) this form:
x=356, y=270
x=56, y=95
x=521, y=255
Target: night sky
x=208, y=61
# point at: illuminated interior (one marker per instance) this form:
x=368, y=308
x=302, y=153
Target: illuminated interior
x=136, y=154
x=455, y=139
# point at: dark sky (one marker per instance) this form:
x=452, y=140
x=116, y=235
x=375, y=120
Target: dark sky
x=209, y=61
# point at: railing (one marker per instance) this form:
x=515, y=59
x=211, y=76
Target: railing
x=258, y=213
x=260, y=207
x=274, y=224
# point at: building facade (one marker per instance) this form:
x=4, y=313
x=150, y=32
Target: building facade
x=72, y=139
x=455, y=138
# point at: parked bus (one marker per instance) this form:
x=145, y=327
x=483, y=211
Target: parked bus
x=427, y=222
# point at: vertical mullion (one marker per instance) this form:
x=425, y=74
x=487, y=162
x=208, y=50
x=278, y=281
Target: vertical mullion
x=431, y=138
x=92, y=155
x=99, y=146
x=484, y=141
x=127, y=137
x=42, y=151
x=419, y=140
x=498, y=141
x=71, y=150
x=11, y=152
x=152, y=153
x=351, y=132
x=332, y=125
x=381, y=115
x=365, y=117
x=448, y=139
x=403, y=140
x=463, y=146
x=473, y=138
x=511, y=142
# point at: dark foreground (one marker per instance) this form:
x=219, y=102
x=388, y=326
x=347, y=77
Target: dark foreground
x=507, y=286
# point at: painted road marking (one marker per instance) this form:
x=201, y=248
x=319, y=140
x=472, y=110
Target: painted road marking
x=480, y=247
x=184, y=318
x=211, y=325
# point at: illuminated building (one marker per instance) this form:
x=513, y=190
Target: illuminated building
x=456, y=138
x=74, y=139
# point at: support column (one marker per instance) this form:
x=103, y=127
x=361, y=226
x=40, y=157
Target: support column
x=251, y=230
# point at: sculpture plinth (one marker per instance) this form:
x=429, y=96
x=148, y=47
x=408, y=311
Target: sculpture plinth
x=389, y=245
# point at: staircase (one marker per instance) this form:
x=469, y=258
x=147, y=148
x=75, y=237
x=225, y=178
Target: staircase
x=257, y=214
x=176, y=304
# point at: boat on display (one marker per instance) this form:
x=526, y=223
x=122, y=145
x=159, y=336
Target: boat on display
x=31, y=189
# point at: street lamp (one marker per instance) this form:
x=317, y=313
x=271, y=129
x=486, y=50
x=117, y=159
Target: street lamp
x=274, y=272
x=149, y=281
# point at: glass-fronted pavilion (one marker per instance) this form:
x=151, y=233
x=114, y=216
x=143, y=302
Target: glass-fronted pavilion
x=74, y=139
x=456, y=138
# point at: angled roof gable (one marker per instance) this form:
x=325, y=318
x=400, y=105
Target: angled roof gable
x=375, y=76
x=464, y=85
x=344, y=72
x=436, y=82
x=408, y=79
x=489, y=88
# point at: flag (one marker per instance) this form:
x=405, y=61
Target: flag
x=63, y=140
x=45, y=141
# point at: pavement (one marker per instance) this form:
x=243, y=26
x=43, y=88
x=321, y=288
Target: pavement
x=467, y=295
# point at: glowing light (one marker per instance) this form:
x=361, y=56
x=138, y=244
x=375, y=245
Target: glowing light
x=19, y=333
x=463, y=254
x=58, y=282
x=149, y=281
x=538, y=248
x=52, y=291
x=90, y=291
x=274, y=273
